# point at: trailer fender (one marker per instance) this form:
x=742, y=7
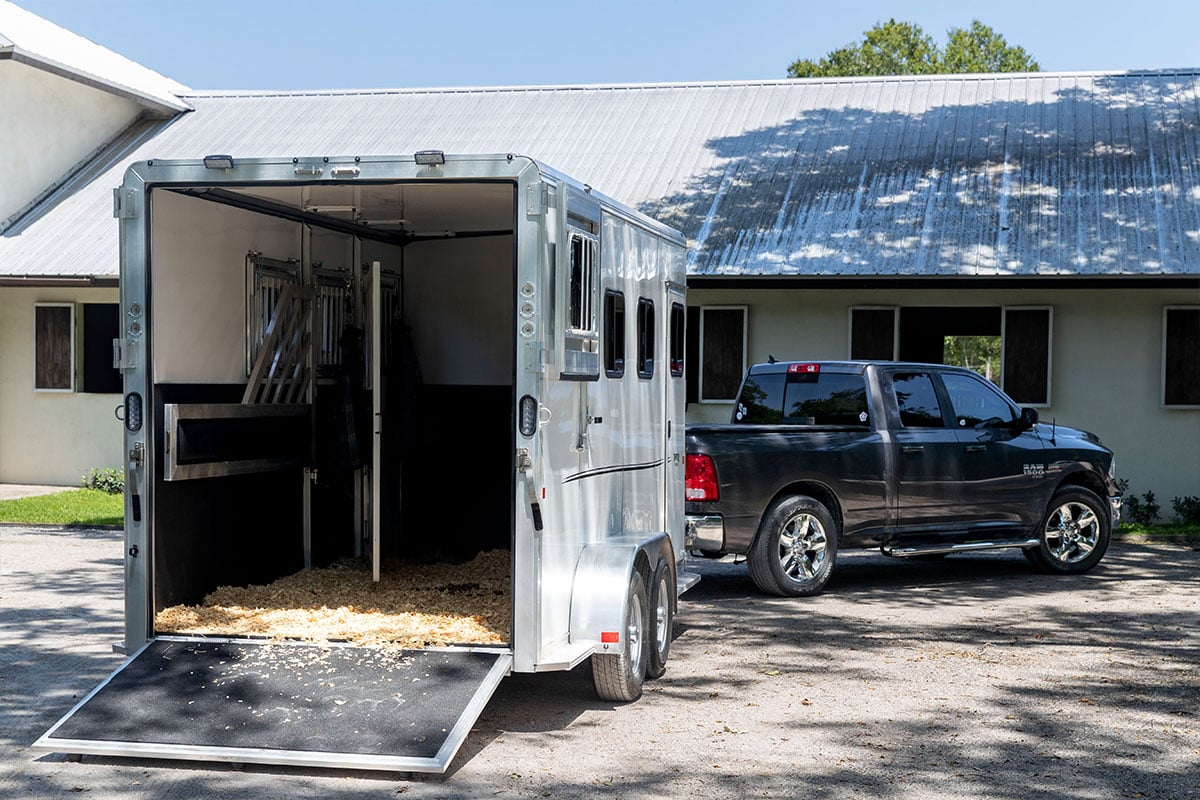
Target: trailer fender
x=601, y=584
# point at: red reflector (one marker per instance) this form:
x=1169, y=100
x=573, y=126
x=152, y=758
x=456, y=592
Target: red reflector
x=700, y=478
x=813, y=368
x=610, y=637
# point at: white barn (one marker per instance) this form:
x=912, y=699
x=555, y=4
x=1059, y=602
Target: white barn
x=1056, y=213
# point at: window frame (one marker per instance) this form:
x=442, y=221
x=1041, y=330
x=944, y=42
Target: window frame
x=71, y=348
x=588, y=284
x=677, y=340
x=1162, y=373
x=745, y=310
x=618, y=368
x=1049, y=353
x=646, y=335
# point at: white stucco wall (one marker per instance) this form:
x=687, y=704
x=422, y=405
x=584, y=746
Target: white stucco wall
x=49, y=437
x=52, y=124
x=1106, y=363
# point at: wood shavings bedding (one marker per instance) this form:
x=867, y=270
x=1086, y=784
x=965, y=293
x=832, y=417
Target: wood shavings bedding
x=412, y=605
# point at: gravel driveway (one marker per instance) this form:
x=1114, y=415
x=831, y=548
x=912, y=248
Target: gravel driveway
x=973, y=677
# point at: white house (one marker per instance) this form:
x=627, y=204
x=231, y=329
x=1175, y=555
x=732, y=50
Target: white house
x=1058, y=215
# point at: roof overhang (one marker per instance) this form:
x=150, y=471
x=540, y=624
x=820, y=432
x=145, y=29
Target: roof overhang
x=81, y=281
x=943, y=282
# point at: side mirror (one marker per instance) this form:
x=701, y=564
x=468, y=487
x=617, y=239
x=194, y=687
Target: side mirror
x=1029, y=418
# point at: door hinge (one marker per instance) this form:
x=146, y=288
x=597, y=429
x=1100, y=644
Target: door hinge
x=125, y=202
x=538, y=199
x=124, y=355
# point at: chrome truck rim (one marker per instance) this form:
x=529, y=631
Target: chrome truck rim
x=1072, y=531
x=802, y=547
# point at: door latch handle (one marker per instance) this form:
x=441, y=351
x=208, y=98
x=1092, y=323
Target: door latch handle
x=976, y=448
x=912, y=448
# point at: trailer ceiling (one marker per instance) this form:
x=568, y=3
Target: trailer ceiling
x=395, y=212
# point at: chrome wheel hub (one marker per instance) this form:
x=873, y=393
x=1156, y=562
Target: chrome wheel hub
x=803, y=547
x=1072, y=532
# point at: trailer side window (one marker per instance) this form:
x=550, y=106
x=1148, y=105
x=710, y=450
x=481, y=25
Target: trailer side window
x=583, y=277
x=614, y=334
x=645, y=326
x=678, y=340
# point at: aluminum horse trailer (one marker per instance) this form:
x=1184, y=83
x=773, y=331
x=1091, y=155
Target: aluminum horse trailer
x=431, y=355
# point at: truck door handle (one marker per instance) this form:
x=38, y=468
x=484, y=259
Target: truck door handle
x=912, y=448
x=976, y=448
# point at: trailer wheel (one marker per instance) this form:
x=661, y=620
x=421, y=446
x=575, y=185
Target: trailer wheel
x=796, y=548
x=661, y=619
x=619, y=676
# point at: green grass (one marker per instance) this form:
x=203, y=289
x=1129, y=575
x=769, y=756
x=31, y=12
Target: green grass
x=74, y=507
x=1160, y=531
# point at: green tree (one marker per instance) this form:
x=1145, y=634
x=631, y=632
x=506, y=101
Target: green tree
x=903, y=48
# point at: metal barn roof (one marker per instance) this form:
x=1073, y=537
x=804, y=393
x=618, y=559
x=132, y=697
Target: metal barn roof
x=1041, y=174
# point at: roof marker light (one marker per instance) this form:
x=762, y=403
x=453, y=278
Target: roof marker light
x=218, y=162
x=430, y=158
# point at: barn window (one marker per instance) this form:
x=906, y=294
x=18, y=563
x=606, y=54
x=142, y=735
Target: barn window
x=873, y=333
x=720, y=347
x=1181, y=356
x=101, y=324
x=1026, y=366
x=54, y=351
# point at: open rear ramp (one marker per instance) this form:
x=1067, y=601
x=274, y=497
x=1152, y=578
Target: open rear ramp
x=285, y=703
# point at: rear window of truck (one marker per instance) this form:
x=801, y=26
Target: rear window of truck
x=826, y=398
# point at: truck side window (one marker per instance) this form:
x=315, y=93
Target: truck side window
x=976, y=404
x=761, y=400
x=917, y=400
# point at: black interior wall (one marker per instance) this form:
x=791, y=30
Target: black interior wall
x=922, y=330
x=237, y=530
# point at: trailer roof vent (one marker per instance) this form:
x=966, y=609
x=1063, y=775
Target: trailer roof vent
x=430, y=158
x=218, y=162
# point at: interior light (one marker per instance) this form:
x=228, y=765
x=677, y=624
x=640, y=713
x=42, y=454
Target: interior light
x=218, y=162
x=430, y=158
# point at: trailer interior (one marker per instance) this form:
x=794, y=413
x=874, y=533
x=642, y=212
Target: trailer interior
x=268, y=354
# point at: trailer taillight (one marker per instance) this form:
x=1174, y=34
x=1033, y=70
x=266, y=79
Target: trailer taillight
x=529, y=416
x=700, y=478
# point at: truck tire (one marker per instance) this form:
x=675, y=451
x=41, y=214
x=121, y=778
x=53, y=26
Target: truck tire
x=661, y=618
x=619, y=676
x=796, y=548
x=1074, y=534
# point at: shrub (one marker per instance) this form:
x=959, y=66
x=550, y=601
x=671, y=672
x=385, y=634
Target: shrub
x=1187, y=510
x=110, y=479
x=1140, y=510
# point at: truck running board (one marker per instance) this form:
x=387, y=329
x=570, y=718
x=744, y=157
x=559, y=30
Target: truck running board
x=936, y=550
x=298, y=704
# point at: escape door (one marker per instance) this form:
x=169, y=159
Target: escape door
x=299, y=704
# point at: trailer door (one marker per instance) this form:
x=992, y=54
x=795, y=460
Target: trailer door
x=674, y=392
x=290, y=703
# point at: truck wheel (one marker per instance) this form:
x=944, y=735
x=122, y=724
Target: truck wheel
x=658, y=638
x=796, y=548
x=1074, y=534
x=619, y=676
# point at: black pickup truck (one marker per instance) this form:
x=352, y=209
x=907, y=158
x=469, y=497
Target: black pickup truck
x=915, y=459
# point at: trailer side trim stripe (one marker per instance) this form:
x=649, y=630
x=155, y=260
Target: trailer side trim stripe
x=592, y=473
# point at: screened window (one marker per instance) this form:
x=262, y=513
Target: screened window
x=645, y=338
x=917, y=400
x=54, y=352
x=583, y=275
x=614, y=334
x=678, y=339
x=976, y=404
x=1181, y=356
x=873, y=334
x=1027, y=355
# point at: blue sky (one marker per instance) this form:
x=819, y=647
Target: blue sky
x=304, y=44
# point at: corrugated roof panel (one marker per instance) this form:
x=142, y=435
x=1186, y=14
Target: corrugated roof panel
x=945, y=175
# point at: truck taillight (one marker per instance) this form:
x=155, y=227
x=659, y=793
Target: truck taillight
x=700, y=478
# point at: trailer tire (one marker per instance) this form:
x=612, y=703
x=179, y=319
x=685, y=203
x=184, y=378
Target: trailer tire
x=619, y=676
x=796, y=548
x=660, y=619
